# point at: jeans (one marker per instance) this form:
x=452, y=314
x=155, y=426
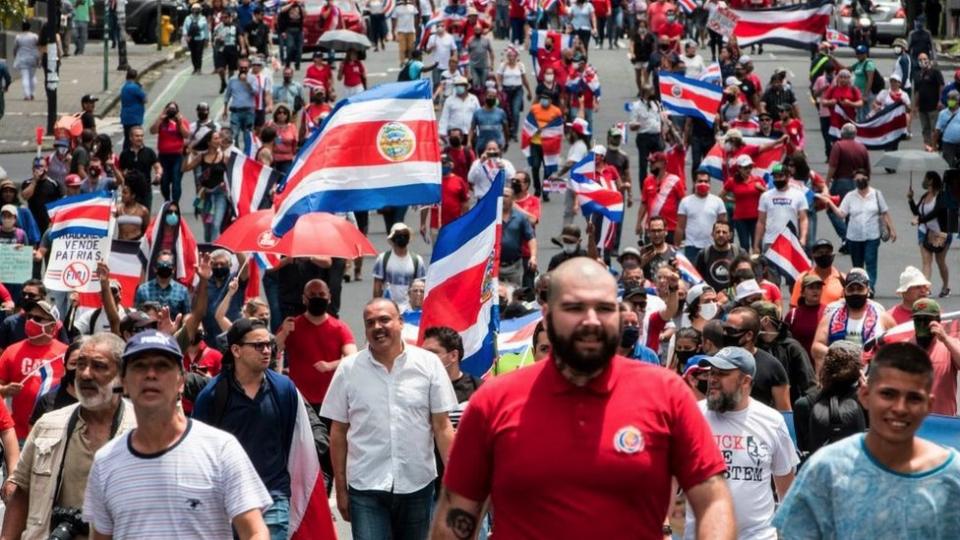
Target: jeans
x=215, y=210
x=503, y=14
x=515, y=99
x=614, y=23
x=811, y=229
x=698, y=150
x=536, y=163
x=516, y=28
x=80, y=39
x=587, y=115
x=378, y=28
x=393, y=214
x=171, y=176
x=114, y=27
x=601, y=31
x=294, y=47
x=647, y=143
x=825, y=132
x=241, y=120
x=376, y=515
x=840, y=187
x=126, y=135
x=745, y=229
x=277, y=518
x=584, y=35
x=28, y=78
x=196, y=53
x=569, y=197
x=271, y=290
x=864, y=255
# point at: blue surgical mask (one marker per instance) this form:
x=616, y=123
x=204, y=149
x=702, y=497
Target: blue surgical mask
x=172, y=219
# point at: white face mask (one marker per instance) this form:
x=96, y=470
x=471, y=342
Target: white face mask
x=897, y=50
x=570, y=249
x=708, y=311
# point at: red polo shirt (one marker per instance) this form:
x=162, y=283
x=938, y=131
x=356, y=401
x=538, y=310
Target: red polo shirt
x=310, y=343
x=550, y=453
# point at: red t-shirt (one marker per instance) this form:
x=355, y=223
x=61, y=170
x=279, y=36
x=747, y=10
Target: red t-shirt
x=900, y=314
x=655, y=326
x=206, y=357
x=550, y=453
x=323, y=75
x=771, y=292
x=353, y=73
x=601, y=8
x=849, y=93
x=668, y=211
x=5, y=294
x=169, y=139
x=454, y=191
x=17, y=362
x=746, y=196
x=311, y=343
x=944, y=380
x=6, y=421
x=462, y=158
x=657, y=15
x=672, y=30
x=531, y=205
x=517, y=10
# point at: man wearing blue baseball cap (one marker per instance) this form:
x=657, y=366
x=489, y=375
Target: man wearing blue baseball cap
x=171, y=477
x=752, y=438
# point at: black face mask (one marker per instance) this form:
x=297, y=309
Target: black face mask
x=317, y=306
x=164, y=272
x=401, y=240
x=703, y=386
x=862, y=184
x=490, y=102
x=69, y=376
x=517, y=187
x=924, y=341
x=26, y=304
x=199, y=336
x=780, y=184
x=733, y=339
x=221, y=272
x=824, y=261
x=629, y=337
x=455, y=142
x=683, y=357
x=855, y=301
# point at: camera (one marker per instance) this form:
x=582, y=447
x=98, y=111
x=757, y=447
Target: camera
x=67, y=523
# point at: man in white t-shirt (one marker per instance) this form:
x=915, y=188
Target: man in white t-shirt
x=753, y=440
x=396, y=268
x=442, y=46
x=171, y=477
x=405, y=28
x=696, y=215
x=781, y=207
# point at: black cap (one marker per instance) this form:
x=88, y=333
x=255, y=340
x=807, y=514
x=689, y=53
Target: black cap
x=823, y=242
x=634, y=291
x=89, y=98
x=136, y=320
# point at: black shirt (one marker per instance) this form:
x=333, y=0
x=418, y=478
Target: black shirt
x=47, y=191
x=258, y=35
x=712, y=265
x=88, y=121
x=618, y=159
x=927, y=89
x=773, y=98
x=770, y=373
x=81, y=156
x=658, y=260
x=57, y=398
x=142, y=161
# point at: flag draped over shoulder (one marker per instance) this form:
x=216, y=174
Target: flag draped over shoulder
x=886, y=126
x=551, y=141
x=690, y=97
x=791, y=25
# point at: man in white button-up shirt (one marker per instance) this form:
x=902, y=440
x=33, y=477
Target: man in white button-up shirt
x=388, y=404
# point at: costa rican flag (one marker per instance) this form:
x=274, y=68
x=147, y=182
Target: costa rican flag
x=310, y=517
x=248, y=180
x=49, y=375
x=787, y=254
x=792, y=25
x=388, y=7
x=551, y=141
x=375, y=149
x=879, y=130
x=86, y=214
x=748, y=128
x=688, y=5
x=516, y=335
x=712, y=74
x=251, y=143
x=838, y=38
x=593, y=197
x=428, y=29
x=688, y=272
x=461, y=288
x=690, y=97
x=538, y=40
x=125, y=269
x=588, y=80
x=715, y=161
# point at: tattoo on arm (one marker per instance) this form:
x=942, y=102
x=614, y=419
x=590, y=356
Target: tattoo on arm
x=461, y=522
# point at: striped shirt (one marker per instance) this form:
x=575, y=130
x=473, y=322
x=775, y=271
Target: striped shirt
x=194, y=489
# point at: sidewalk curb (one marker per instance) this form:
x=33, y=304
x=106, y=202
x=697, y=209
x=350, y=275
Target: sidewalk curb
x=112, y=102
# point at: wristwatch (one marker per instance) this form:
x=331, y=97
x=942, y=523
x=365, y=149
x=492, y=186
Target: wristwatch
x=667, y=530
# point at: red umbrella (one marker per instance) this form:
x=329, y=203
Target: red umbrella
x=314, y=235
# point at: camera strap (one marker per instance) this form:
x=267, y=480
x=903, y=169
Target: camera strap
x=71, y=426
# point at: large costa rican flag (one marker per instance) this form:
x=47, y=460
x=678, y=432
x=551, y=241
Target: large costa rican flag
x=690, y=97
x=787, y=254
x=86, y=214
x=551, y=141
x=688, y=5
x=248, y=180
x=378, y=148
x=888, y=125
x=594, y=198
x=310, y=517
x=792, y=25
x=763, y=162
x=461, y=288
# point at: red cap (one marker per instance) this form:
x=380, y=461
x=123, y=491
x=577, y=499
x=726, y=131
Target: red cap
x=73, y=180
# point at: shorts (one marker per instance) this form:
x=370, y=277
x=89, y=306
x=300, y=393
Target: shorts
x=226, y=58
x=921, y=236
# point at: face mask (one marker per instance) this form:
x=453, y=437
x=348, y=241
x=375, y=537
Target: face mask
x=824, y=261
x=733, y=339
x=221, y=272
x=95, y=171
x=27, y=305
x=708, y=311
x=490, y=102
x=952, y=103
x=69, y=376
x=780, y=184
x=862, y=184
x=684, y=356
x=897, y=50
x=164, y=272
x=401, y=240
x=728, y=147
x=570, y=249
x=629, y=337
x=198, y=337
x=61, y=150
x=655, y=171
x=703, y=386
x=460, y=90
x=34, y=329
x=445, y=170
x=671, y=18
x=855, y=301
x=544, y=103
x=516, y=187
x=172, y=219
x=317, y=306
x=702, y=189
x=548, y=79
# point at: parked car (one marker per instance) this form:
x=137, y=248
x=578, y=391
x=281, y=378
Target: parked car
x=889, y=18
x=141, y=22
x=352, y=20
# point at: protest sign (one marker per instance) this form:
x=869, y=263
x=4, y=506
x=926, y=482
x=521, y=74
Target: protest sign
x=16, y=263
x=73, y=263
x=723, y=21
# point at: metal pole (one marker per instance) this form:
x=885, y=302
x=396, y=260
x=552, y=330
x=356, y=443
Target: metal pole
x=159, y=24
x=106, y=47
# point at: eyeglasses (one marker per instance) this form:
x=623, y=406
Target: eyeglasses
x=260, y=345
x=40, y=319
x=861, y=179
x=656, y=231
x=30, y=296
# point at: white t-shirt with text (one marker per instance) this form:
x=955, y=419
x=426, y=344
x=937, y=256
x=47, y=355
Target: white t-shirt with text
x=782, y=208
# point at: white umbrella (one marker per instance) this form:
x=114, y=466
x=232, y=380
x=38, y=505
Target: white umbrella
x=912, y=160
x=344, y=40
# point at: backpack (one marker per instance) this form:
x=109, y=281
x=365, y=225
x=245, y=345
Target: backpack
x=878, y=83
x=386, y=259
x=835, y=418
x=193, y=29
x=405, y=74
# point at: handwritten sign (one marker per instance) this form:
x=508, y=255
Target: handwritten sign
x=73, y=263
x=16, y=265
x=723, y=21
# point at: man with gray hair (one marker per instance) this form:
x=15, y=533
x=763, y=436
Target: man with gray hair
x=221, y=262
x=56, y=459
x=947, y=132
x=847, y=155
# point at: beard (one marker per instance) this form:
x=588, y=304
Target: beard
x=724, y=401
x=103, y=397
x=565, y=348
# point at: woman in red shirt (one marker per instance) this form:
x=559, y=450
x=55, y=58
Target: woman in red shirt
x=172, y=131
x=285, y=145
x=745, y=189
x=353, y=75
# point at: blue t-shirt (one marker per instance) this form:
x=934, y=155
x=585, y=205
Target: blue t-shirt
x=948, y=126
x=843, y=492
x=515, y=232
x=489, y=125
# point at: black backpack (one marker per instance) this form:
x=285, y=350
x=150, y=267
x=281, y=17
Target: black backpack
x=405, y=72
x=835, y=418
x=878, y=83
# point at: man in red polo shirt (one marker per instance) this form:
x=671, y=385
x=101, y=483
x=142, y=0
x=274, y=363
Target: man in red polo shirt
x=526, y=437
x=314, y=343
x=660, y=195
